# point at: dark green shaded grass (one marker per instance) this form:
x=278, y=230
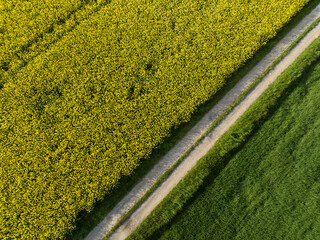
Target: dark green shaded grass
x=270, y=189
x=87, y=221
x=174, y=206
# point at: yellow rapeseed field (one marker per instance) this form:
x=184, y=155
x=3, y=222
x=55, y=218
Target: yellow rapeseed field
x=23, y=23
x=82, y=114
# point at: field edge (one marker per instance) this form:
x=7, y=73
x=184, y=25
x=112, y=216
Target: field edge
x=234, y=138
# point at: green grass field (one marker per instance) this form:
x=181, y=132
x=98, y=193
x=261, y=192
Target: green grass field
x=270, y=189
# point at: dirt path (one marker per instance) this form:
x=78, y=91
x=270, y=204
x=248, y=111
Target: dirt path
x=195, y=133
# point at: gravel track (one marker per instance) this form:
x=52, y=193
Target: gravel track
x=198, y=130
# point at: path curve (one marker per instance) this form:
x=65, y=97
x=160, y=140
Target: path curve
x=197, y=131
